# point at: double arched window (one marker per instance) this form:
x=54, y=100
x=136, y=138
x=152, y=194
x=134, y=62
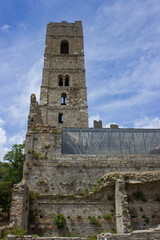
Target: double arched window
x=60, y=81
x=63, y=81
x=64, y=47
x=66, y=81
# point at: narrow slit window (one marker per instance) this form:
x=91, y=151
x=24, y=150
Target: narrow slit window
x=60, y=81
x=63, y=99
x=64, y=47
x=60, y=118
x=67, y=81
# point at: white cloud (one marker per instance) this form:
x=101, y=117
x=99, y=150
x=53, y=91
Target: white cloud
x=3, y=140
x=20, y=74
x=32, y=81
x=5, y=27
x=143, y=97
x=22, y=26
x=125, y=30
x=26, y=80
x=18, y=138
x=147, y=122
x=1, y=122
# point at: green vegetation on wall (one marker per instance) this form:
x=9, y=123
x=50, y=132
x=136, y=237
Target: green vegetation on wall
x=60, y=221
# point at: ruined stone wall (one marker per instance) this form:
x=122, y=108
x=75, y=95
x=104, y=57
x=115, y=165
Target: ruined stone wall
x=144, y=204
x=86, y=215
x=20, y=206
x=67, y=184
x=137, y=235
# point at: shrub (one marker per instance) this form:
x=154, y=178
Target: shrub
x=94, y=188
x=139, y=195
x=46, y=189
x=47, y=146
x=59, y=165
x=4, y=235
x=107, y=217
x=93, y=238
x=18, y=232
x=94, y=221
x=35, y=155
x=117, y=175
x=41, y=182
x=99, y=181
x=33, y=195
x=138, y=167
x=60, y=221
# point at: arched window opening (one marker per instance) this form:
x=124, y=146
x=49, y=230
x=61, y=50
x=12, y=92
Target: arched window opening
x=64, y=47
x=60, y=81
x=63, y=99
x=67, y=81
x=60, y=117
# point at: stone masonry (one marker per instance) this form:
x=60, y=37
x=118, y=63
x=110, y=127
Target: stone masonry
x=63, y=89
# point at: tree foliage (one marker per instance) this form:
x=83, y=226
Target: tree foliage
x=10, y=173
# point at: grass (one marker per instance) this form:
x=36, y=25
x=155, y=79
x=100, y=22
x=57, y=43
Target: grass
x=94, y=221
x=107, y=217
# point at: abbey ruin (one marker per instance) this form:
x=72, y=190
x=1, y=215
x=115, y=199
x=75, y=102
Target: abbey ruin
x=97, y=181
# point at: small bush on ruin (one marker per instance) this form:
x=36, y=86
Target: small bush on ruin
x=107, y=217
x=60, y=221
x=94, y=221
x=138, y=167
x=117, y=175
x=33, y=195
x=18, y=232
x=139, y=195
x=47, y=146
x=5, y=234
x=94, y=188
x=35, y=155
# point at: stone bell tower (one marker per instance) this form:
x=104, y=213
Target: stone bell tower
x=63, y=99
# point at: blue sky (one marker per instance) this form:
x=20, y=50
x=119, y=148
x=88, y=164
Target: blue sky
x=122, y=60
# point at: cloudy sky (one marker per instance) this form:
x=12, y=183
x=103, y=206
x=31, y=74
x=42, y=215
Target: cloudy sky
x=122, y=60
